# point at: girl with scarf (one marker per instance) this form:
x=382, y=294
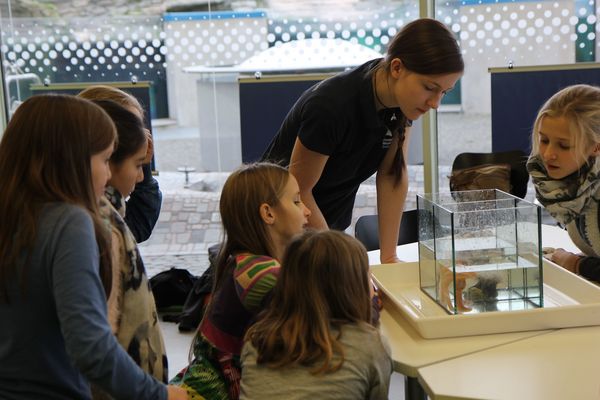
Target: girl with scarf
x=565, y=170
x=143, y=204
x=131, y=308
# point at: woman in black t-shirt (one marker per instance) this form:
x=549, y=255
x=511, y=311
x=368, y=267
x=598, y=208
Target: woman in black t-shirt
x=344, y=129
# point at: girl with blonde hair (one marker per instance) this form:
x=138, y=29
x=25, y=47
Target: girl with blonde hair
x=565, y=170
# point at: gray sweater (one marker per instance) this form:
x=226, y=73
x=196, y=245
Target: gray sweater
x=56, y=336
x=365, y=373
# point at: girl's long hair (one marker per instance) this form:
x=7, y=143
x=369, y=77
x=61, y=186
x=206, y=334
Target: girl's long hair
x=580, y=105
x=105, y=92
x=244, y=191
x=244, y=230
x=130, y=130
x=323, y=284
x=45, y=156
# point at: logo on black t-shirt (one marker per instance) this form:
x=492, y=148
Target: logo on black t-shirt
x=387, y=140
x=389, y=117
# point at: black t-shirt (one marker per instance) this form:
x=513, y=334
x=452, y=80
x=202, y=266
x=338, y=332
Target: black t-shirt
x=337, y=117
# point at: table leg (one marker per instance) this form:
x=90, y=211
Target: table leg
x=413, y=389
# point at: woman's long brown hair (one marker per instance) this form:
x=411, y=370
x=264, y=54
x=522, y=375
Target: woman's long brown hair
x=426, y=47
x=323, y=284
x=45, y=156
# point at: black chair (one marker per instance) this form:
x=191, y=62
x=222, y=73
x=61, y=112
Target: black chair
x=515, y=158
x=366, y=230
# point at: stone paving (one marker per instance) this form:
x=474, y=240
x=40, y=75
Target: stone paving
x=189, y=221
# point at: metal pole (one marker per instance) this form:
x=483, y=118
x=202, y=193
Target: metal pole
x=3, y=92
x=429, y=132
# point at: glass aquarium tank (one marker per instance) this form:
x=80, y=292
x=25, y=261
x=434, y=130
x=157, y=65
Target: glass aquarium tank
x=480, y=251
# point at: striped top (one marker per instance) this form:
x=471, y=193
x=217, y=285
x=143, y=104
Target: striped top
x=254, y=277
x=236, y=304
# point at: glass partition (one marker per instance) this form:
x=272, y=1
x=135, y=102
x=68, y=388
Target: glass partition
x=503, y=33
x=198, y=112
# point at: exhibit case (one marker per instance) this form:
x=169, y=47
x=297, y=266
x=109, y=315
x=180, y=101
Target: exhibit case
x=480, y=251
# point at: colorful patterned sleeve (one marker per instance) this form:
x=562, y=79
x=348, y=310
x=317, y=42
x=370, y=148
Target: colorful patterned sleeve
x=255, y=277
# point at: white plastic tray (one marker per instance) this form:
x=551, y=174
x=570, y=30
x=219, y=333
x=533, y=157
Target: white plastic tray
x=569, y=301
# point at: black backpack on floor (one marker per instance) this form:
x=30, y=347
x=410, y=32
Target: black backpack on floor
x=171, y=288
x=195, y=304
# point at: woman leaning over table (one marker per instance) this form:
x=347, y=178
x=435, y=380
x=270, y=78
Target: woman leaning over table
x=344, y=129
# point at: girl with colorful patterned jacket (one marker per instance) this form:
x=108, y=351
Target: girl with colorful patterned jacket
x=261, y=211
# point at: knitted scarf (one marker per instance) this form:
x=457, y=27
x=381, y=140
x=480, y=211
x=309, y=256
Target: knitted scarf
x=572, y=201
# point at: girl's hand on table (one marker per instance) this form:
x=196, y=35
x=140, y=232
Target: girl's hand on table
x=566, y=259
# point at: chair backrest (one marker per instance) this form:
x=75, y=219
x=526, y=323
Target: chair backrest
x=515, y=158
x=366, y=230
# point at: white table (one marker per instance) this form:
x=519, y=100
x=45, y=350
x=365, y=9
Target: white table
x=411, y=352
x=561, y=365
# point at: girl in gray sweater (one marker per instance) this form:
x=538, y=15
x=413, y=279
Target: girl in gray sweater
x=54, y=258
x=315, y=339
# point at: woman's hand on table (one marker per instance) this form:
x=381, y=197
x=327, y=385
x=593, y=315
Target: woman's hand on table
x=391, y=259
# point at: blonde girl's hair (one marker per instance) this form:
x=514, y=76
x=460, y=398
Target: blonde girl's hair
x=46, y=155
x=323, y=284
x=105, y=92
x=580, y=106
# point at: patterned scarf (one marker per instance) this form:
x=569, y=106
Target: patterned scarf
x=567, y=198
x=572, y=201
x=131, y=307
x=116, y=200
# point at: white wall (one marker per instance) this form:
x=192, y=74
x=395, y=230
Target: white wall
x=524, y=33
x=209, y=42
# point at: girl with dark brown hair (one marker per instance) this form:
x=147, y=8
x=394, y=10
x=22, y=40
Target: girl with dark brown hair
x=131, y=307
x=143, y=203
